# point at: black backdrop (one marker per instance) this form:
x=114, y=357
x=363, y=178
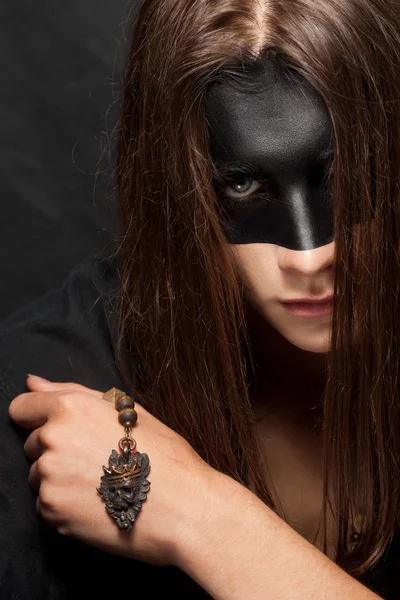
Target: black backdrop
x=60, y=65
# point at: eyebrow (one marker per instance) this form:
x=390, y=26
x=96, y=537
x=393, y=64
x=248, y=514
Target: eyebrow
x=225, y=171
x=222, y=170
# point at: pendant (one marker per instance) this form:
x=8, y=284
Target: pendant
x=124, y=486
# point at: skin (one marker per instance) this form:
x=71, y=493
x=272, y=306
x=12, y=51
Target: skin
x=283, y=134
x=59, y=415
x=176, y=525
x=272, y=147
x=182, y=532
x=279, y=216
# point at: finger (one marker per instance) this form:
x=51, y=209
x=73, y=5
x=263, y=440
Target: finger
x=33, y=446
x=32, y=409
x=34, y=479
x=39, y=384
x=44, y=385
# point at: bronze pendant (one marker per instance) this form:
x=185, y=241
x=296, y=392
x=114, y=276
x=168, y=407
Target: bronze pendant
x=124, y=486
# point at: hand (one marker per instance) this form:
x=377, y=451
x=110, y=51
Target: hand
x=73, y=431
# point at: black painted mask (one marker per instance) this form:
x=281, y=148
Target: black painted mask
x=271, y=147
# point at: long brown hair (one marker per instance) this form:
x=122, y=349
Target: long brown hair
x=182, y=303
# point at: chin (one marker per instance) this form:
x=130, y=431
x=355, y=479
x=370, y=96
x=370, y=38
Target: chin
x=318, y=344
x=311, y=337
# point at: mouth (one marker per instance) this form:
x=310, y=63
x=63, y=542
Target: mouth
x=309, y=308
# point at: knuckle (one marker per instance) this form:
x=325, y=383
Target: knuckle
x=47, y=499
x=46, y=437
x=50, y=510
x=44, y=466
x=65, y=401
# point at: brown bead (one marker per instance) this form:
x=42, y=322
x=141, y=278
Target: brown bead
x=127, y=415
x=124, y=402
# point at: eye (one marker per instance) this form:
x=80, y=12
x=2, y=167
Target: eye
x=242, y=188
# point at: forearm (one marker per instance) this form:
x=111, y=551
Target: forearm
x=241, y=549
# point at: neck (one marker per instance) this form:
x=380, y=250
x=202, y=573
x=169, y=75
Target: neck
x=291, y=380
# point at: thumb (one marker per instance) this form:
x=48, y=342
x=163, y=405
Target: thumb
x=36, y=383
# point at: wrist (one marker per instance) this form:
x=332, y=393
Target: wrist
x=220, y=502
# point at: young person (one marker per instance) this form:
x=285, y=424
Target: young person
x=251, y=310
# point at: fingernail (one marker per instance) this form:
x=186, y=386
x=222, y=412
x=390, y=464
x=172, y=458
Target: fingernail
x=38, y=378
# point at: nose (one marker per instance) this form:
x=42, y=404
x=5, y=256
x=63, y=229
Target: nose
x=306, y=262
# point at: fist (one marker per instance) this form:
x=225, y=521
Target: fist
x=73, y=431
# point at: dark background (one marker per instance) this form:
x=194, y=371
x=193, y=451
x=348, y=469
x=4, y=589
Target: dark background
x=61, y=67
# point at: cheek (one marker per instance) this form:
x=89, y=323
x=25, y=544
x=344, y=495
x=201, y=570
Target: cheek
x=258, y=265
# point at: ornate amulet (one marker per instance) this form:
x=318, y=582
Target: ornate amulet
x=124, y=485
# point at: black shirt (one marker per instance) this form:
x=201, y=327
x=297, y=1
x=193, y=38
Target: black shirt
x=70, y=335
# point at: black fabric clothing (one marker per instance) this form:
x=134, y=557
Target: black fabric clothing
x=70, y=335
x=67, y=335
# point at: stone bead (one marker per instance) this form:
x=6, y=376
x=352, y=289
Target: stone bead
x=123, y=403
x=127, y=415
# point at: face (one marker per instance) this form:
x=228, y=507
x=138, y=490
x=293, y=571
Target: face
x=272, y=154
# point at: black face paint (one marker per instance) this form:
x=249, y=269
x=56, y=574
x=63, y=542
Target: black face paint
x=276, y=139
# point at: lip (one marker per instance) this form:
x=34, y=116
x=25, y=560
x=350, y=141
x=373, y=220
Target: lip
x=307, y=308
x=309, y=300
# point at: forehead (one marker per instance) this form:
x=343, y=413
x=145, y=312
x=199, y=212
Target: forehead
x=277, y=117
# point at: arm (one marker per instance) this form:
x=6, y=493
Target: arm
x=196, y=518
x=241, y=549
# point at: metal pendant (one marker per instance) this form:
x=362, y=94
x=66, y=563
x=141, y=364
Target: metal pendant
x=124, y=485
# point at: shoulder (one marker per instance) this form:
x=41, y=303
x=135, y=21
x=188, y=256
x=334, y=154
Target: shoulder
x=69, y=334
